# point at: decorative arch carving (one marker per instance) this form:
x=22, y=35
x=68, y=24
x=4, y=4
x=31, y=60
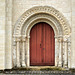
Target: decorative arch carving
x=42, y=9
x=41, y=18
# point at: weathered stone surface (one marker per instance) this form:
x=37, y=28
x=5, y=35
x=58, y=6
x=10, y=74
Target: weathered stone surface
x=13, y=10
x=38, y=73
x=2, y=34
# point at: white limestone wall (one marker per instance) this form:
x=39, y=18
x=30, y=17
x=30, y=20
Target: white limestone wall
x=10, y=15
x=2, y=34
x=73, y=36
x=5, y=34
x=8, y=35
x=20, y=6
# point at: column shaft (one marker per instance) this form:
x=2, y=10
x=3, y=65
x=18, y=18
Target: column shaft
x=18, y=54
x=27, y=54
x=60, y=53
x=23, y=54
x=65, y=54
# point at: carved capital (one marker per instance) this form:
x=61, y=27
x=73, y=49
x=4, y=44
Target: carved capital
x=65, y=39
x=23, y=37
x=60, y=39
x=28, y=37
x=18, y=39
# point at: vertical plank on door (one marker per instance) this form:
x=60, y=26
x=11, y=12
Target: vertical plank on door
x=42, y=45
x=33, y=45
x=44, y=40
x=53, y=47
x=47, y=53
x=39, y=43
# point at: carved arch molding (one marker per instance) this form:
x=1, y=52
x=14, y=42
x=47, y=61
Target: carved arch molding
x=21, y=35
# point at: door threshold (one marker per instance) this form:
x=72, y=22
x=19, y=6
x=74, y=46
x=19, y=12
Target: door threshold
x=47, y=67
x=42, y=66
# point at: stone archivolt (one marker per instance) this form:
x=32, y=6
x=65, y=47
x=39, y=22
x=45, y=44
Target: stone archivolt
x=22, y=34
x=42, y=9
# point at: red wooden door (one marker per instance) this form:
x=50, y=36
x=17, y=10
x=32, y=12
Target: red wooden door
x=42, y=45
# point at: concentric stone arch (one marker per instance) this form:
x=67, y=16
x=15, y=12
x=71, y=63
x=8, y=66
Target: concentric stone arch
x=42, y=9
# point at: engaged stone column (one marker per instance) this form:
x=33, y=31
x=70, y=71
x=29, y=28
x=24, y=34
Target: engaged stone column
x=18, y=51
x=60, y=52
x=27, y=51
x=56, y=51
x=65, y=53
x=23, y=51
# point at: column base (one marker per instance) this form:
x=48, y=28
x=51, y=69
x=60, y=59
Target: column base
x=23, y=64
x=18, y=65
x=65, y=66
x=59, y=65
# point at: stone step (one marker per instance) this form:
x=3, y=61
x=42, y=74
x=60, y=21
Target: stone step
x=22, y=72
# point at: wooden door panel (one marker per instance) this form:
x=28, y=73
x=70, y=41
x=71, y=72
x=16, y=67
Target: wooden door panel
x=50, y=45
x=38, y=43
x=53, y=48
x=42, y=45
x=47, y=53
x=33, y=45
x=43, y=42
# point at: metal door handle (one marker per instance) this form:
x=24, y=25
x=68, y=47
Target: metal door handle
x=40, y=45
x=43, y=48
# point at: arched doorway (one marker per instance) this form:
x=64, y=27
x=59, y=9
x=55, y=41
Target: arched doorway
x=42, y=45
x=21, y=35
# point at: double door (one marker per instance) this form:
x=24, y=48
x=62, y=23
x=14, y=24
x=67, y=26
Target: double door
x=42, y=45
